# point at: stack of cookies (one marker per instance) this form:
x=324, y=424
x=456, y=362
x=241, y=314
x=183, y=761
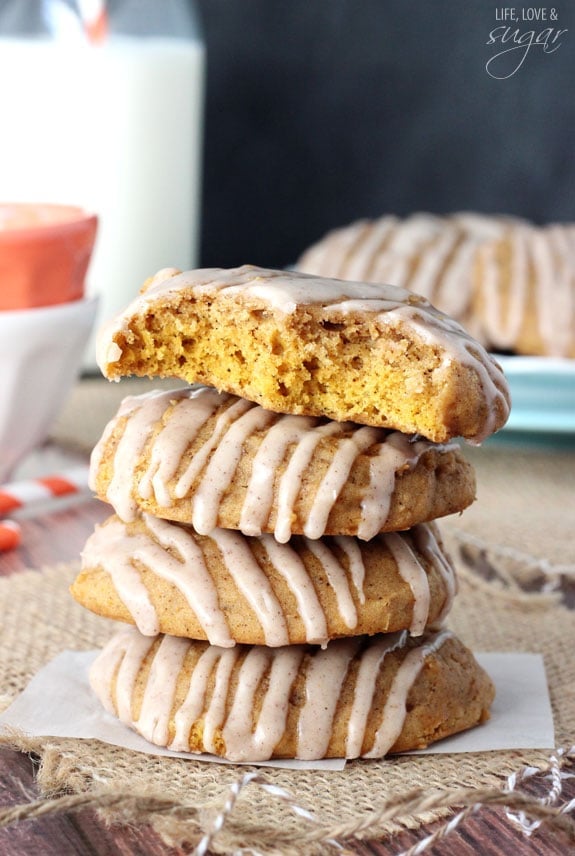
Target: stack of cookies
x=272, y=546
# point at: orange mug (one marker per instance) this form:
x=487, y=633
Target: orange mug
x=45, y=250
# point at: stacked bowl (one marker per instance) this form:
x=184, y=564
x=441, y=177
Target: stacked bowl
x=45, y=319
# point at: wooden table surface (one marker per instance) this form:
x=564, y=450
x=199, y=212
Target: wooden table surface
x=58, y=535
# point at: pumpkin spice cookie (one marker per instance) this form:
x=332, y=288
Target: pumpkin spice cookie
x=373, y=354
x=360, y=697
x=428, y=254
x=211, y=459
x=525, y=290
x=229, y=588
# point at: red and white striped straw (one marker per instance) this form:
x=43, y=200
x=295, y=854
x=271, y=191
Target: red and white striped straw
x=94, y=16
x=10, y=535
x=29, y=492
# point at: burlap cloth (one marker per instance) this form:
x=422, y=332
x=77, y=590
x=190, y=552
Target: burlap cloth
x=514, y=554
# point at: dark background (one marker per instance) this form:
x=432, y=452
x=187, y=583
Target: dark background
x=319, y=112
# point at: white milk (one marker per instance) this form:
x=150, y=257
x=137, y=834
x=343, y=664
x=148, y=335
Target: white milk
x=115, y=128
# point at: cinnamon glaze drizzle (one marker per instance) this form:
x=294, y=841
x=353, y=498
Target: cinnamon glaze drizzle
x=172, y=552
x=114, y=673
x=168, y=423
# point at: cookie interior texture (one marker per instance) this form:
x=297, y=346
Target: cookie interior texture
x=210, y=459
x=229, y=588
x=372, y=354
x=363, y=697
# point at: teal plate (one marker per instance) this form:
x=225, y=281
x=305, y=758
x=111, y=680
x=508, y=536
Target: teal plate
x=542, y=400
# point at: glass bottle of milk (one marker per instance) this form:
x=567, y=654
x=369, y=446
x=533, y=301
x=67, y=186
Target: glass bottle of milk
x=101, y=105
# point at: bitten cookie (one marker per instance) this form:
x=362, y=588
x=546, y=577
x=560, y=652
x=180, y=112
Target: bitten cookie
x=525, y=291
x=211, y=459
x=360, y=697
x=229, y=588
x=373, y=354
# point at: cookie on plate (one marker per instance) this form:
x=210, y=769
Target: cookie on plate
x=428, y=254
x=373, y=354
x=229, y=588
x=211, y=459
x=525, y=291
x=359, y=697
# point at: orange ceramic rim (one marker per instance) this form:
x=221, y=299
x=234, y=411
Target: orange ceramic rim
x=44, y=263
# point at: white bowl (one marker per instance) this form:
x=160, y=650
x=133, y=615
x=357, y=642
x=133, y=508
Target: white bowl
x=40, y=358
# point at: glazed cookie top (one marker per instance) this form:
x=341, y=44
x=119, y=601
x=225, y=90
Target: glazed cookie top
x=231, y=588
x=212, y=459
x=360, y=697
x=375, y=354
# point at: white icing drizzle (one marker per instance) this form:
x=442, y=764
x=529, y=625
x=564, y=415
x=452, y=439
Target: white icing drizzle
x=174, y=419
x=135, y=653
x=242, y=741
x=290, y=483
x=116, y=551
x=185, y=422
x=455, y=283
x=222, y=466
x=415, y=232
x=338, y=581
x=426, y=542
x=335, y=478
x=549, y=312
x=202, y=456
x=394, y=711
x=195, y=702
x=284, y=291
x=396, y=452
x=121, y=659
x=190, y=574
x=359, y=262
x=143, y=412
x=259, y=494
x=172, y=553
x=214, y=716
x=413, y=572
x=396, y=263
x=426, y=254
x=539, y=288
x=456, y=287
x=506, y=325
x=369, y=667
x=434, y=257
x=335, y=260
x=97, y=453
x=325, y=674
x=553, y=255
x=287, y=563
x=352, y=550
x=154, y=720
x=431, y=264
x=396, y=269
x=253, y=583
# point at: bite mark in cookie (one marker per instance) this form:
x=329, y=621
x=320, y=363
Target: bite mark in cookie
x=373, y=354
